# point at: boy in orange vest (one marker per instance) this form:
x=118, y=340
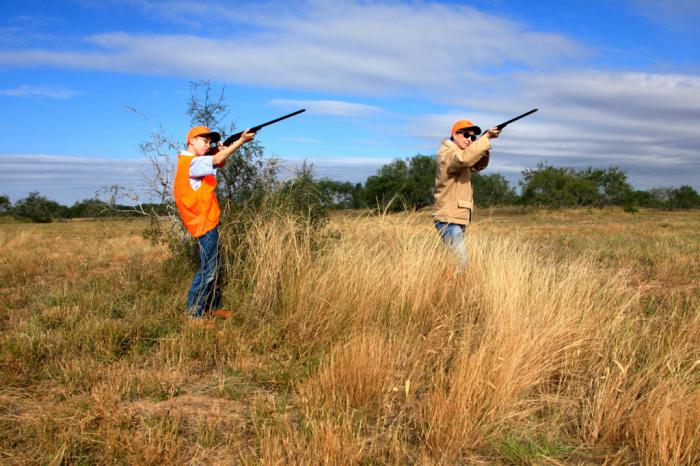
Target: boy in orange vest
x=195, y=198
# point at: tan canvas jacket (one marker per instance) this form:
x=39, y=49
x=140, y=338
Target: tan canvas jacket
x=454, y=198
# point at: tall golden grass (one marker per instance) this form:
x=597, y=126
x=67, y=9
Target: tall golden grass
x=362, y=343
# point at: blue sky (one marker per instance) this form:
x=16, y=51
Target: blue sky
x=617, y=83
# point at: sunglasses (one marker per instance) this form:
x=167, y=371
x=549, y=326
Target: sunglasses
x=471, y=137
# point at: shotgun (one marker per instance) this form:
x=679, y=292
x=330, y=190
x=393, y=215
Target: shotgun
x=234, y=137
x=506, y=123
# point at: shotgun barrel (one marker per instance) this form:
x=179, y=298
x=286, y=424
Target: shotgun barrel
x=506, y=123
x=231, y=139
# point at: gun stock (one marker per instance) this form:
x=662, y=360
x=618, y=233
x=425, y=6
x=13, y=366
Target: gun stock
x=234, y=137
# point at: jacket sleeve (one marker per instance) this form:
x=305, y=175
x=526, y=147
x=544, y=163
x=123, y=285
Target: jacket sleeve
x=459, y=159
x=481, y=164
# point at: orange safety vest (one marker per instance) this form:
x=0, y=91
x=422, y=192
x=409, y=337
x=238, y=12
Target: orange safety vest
x=199, y=209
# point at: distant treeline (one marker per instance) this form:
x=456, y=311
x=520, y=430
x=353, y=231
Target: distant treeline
x=408, y=185
x=37, y=208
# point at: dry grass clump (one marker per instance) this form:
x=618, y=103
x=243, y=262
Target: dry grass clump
x=449, y=360
x=362, y=343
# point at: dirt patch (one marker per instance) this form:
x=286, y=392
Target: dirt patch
x=192, y=407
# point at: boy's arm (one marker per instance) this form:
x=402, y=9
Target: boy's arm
x=460, y=159
x=225, y=152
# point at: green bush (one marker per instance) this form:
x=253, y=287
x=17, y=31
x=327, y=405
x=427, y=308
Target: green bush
x=5, y=205
x=37, y=208
x=684, y=198
x=492, y=190
x=566, y=187
x=402, y=184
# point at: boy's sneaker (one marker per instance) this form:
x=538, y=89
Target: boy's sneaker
x=221, y=313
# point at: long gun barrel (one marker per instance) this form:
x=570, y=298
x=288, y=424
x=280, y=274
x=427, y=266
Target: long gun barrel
x=231, y=139
x=506, y=123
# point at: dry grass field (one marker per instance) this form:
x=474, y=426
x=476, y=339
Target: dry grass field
x=573, y=337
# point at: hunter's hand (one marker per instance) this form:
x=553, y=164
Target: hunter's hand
x=493, y=133
x=247, y=136
x=225, y=152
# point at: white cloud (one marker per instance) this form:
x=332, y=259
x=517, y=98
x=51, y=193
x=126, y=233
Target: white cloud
x=27, y=90
x=66, y=179
x=329, y=107
x=355, y=169
x=353, y=47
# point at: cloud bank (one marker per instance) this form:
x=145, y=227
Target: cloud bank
x=50, y=92
x=369, y=49
x=68, y=179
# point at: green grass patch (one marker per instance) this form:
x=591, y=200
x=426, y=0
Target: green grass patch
x=529, y=448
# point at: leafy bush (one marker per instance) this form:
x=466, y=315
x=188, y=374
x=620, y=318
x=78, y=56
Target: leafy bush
x=337, y=194
x=684, y=198
x=5, y=204
x=89, y=208
x=411, y=182
x=492, y=190
x=566, y=187
x=38, y=208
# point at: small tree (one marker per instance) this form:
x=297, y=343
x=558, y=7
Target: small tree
x=492, y=190
x=421, y=181
x=204, y=107
x=389, y=182
x=89, y=208
x=554, y=187
x=38, y=208
x=611, y=183
x=5, y=205
x=410, y=181
x=300, y=196
x=336, y=194
x=684, y=198
x=359, y=196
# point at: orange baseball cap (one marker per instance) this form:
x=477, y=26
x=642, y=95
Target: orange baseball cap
x=202, y=131
x=465, y=124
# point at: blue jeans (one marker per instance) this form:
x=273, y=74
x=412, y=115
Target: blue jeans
x=204, y=293
x=452, y=234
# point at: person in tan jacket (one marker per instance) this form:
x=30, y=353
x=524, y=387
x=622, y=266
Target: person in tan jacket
x=457, y=158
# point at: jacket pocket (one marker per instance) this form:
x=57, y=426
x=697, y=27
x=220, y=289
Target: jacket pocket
x=463, y=204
